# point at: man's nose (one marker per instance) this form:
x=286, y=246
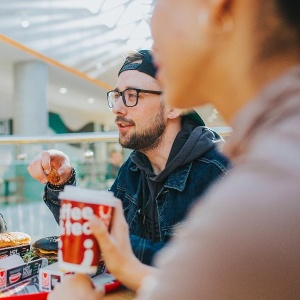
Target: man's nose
x=119, y=107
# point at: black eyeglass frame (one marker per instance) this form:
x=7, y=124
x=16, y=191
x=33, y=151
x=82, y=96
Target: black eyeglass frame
x=138, y=91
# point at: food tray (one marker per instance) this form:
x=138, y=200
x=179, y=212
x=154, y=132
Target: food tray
x=110, y=284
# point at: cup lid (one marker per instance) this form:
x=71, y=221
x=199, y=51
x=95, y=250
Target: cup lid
x=75, y=193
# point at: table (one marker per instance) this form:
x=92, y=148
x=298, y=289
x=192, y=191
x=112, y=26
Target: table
x=120, y=294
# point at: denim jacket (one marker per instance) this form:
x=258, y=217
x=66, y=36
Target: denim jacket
x=174, y=200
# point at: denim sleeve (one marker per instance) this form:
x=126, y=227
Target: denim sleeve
x=51, y=200
x=145, y=250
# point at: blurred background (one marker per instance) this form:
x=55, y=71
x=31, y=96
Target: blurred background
x=58, y=59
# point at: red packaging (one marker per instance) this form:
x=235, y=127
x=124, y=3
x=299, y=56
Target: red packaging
x=19, y=271
x=78, y=250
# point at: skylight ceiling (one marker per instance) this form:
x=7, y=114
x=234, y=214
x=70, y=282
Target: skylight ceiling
x=89, y=35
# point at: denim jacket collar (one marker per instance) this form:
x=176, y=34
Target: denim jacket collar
x=176, y=180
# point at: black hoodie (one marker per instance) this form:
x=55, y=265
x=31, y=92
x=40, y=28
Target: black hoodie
x=190, y=144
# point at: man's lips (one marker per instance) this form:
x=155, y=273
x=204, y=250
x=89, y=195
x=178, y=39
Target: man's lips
x=124, y=126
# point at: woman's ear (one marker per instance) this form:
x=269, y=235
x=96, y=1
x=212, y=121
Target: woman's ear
x=221, y=15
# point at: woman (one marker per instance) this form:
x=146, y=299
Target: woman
x=242, y=241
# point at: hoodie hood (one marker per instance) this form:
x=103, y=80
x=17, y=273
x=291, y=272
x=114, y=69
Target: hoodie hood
x=190, y=144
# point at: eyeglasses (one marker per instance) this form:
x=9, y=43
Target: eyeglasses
x=130, y=96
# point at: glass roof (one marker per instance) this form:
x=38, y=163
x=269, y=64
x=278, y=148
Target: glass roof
x=91, y=36
x=88, y=35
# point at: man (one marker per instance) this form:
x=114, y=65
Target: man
x=116, y=160
x=175, y=158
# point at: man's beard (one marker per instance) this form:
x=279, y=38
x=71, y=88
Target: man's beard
x=149, y=139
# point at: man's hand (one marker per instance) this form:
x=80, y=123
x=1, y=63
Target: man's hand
x=41, y=166
x=76, y=287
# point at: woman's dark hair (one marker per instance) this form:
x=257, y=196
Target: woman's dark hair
x=290, y=10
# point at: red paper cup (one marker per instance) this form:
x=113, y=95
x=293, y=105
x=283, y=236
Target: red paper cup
x=78, y=249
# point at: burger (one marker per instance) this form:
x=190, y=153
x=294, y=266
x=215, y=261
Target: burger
x=46, y=247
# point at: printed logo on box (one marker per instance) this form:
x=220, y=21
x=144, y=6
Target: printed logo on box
x=2, y=279
x=45, y=280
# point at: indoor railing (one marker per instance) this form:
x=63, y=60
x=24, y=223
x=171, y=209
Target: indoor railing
x=21, y=196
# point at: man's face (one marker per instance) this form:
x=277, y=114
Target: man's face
x=140, y=127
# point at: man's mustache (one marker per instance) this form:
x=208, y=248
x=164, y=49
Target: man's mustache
x=124, y=120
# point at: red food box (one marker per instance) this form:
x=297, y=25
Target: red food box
x=20, y=271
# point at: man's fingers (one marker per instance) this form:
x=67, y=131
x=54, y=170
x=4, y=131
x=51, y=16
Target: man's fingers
x=45, y=162
x=37, y=172
x=65, y=170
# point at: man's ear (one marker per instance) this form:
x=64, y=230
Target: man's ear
x=174, y=113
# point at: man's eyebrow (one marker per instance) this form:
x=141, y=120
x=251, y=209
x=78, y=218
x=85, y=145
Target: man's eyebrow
x=128, y=87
